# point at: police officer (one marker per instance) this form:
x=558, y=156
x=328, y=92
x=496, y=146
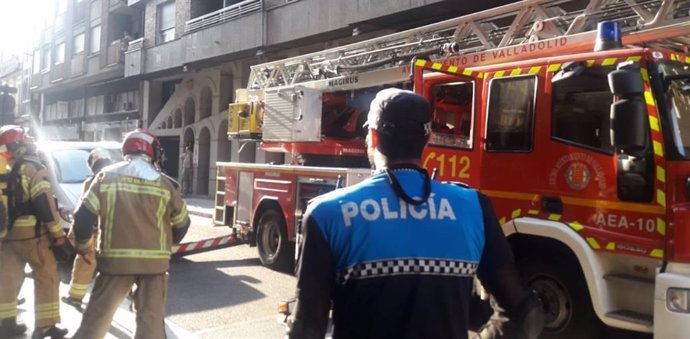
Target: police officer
x=396, y=254
x=34, y=229
x=83, y=269
x=139, y=213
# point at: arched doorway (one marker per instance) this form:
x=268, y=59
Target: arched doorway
x=224, y=144
x=178, y=119
x=204, y=151
x=205, y=103
x=189, y=112
x=187, y=140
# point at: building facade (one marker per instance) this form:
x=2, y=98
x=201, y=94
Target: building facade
x=78, y=70
x=182, y=60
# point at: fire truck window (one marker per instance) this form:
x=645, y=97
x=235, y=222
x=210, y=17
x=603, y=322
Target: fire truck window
x=511, y=114
x=342, y=117
x=453, y=114
x=581, y=106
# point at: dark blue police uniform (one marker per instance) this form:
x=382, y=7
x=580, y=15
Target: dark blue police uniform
x=393, y=269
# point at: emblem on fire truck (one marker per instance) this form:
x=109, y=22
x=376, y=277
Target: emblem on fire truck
x=577, y=176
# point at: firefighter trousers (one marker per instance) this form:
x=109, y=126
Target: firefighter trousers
x=82, y=273
x=108, y=293
x=14, y=256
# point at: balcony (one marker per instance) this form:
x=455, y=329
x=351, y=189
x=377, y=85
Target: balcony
x=223, y=15
x=134, y=57
x=115, y=53
x=164, y=56
x=240, y=29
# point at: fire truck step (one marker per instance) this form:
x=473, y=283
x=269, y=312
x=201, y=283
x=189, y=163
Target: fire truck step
x=204, y=245
x=628, y=279
x=632, y=316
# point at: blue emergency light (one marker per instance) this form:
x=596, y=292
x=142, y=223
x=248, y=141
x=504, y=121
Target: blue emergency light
x=608, y=36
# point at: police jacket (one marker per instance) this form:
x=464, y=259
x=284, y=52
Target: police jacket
x=140, y=214
x=31, y=203
x=391, y=269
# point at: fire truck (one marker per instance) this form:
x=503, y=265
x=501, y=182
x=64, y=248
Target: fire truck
x=572, y=116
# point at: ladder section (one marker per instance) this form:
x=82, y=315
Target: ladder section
x=514, y=24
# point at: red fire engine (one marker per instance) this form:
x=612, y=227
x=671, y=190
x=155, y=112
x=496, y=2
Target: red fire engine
x=580, y=136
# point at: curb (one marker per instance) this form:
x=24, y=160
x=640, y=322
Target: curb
x=200, y=213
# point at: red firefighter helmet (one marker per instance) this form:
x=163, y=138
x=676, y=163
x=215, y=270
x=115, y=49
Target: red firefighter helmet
x=141, y=141
x=12, y=137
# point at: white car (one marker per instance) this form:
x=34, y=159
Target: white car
x=67, y=167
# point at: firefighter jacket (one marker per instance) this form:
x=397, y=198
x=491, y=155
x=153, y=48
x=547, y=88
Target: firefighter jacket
x=396, y=270
x=31, y=205
x=140, y=214
x=3, y=220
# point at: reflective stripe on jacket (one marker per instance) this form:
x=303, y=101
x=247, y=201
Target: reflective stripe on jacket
x=136, y=217
x=35, y=186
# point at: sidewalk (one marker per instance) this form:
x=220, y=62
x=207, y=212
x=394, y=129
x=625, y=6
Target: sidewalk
x=200, y=205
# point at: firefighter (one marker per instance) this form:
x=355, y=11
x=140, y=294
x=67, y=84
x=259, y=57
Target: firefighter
x=139, y=213
x=396, y=255
x=83, y=269
x=34, y=228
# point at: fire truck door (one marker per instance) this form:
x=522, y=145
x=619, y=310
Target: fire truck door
x=511, y=153
x=454, y=95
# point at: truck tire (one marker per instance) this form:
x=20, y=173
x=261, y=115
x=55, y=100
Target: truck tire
x=563, y=291
x=275, y=250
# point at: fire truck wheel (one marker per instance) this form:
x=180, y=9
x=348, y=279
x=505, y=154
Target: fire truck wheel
x=563, y=292
x=275, y=250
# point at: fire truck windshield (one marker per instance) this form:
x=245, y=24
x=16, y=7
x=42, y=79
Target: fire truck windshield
x=677, y=95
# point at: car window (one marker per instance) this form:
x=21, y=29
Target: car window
x=71, y=166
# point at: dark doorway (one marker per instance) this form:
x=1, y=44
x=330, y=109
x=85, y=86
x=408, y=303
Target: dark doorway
x=171, y=149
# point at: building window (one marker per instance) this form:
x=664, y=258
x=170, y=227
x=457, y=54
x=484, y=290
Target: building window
x=581, y=109
x=46, y=59
x=60, y=16
x=166, y=22
x=37, y=61
x=79, y=10
x=453, y=114
x=511, y=114
x=78, y=43
x=95, y=12
x=95, y=40
x=60, y=53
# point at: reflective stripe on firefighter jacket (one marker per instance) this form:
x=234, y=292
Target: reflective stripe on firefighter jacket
x=4, y=171
x=36, y=191
x=136, y=216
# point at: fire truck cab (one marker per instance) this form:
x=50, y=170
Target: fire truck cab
x=582, y=144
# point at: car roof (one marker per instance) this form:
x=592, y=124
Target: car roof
x=85, y=145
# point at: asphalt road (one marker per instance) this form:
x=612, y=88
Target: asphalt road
x=224, y=293
x=217, y=294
